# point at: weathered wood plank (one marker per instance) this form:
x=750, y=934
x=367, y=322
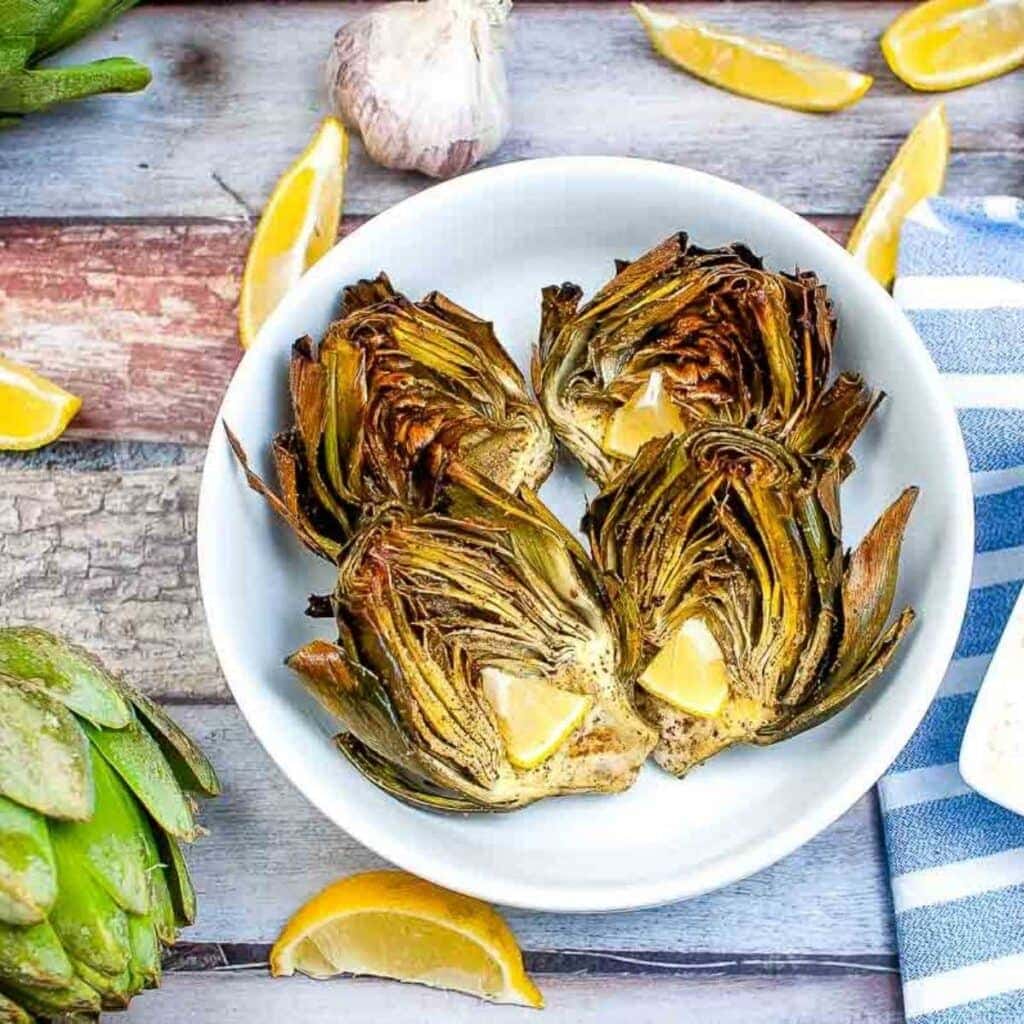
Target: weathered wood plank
x=240, y=998
x=137, y=319
x=107, y=556
x=831, y=897
x=237, y=89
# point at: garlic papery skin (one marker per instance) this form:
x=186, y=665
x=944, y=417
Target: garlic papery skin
x=423, y=83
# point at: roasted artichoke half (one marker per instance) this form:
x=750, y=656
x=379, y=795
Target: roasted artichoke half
x=479, y=666
x=727, y=553
x=394, y=388
x=94, y=784
x=686, y=336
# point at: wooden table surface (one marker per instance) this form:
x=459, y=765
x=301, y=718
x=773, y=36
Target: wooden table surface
x=123, y=227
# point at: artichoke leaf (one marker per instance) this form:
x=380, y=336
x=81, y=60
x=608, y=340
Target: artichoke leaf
x=136, y=757
x=28, y=875
x=116, y=843
x=191, y=766
x=12, y=1013
x=164, y=917
x=869, y=584
x=179, y=883
x=59, y=1003
x=92, y=927
x=115, y=990
x=68, y=673
x=44, y=756
x=33, y=956
x=144, y=964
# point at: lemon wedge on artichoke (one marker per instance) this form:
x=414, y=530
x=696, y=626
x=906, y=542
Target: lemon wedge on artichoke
x=758, y=68
x=33, y=411
x=299, y=224
x=946, y=44
x=393, y=925
x=689, y=672
x=917, y=171
x=535, y=718
x=649, y=413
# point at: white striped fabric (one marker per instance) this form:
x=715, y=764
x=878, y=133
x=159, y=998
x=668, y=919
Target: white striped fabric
x=956, y=860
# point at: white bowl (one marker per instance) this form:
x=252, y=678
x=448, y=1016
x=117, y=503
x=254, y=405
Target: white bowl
x=491, y=240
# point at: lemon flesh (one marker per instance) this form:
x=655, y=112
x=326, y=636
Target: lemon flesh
x=947, y=44
x=689, y=672
x=33, y=411
x=535, y=719
x=299, y=224
x=648, y=414
x=752, y=67
x=393, y=925
x=917, y=171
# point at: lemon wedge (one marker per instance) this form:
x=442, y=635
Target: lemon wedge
x=649, y=413
x=946, y=44
x=299, y=224
x=393, y=925
x=33, y=411
x=689, y=672
x=917, y=171
x=535, y=719
x=752, y=67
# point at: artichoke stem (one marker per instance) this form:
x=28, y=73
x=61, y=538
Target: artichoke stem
x=25, y=91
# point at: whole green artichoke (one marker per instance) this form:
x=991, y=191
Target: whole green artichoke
x=93, y=804
x=31, y=30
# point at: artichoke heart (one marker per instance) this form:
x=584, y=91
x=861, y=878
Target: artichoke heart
x=726, y=550
x=478, y=666
x=95, y=784
x=394, y=390
x=685, y=337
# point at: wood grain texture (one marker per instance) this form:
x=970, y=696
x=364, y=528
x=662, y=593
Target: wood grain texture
x=107, y=556
x=242, y=998
x=830, y=897
x=136, y=319
x=237, y=90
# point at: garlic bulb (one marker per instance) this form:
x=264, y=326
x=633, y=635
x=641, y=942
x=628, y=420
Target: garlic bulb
x=423, y=83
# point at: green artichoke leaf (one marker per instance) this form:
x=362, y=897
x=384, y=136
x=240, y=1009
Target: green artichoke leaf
x=136, y=757
x=162, y=913
x=183, y=893
x=55, y=1003
x=44, y=755
x=92, y=927
x=190, y=765
x=78, y=19
x=115, y=991
x=145, y=952
x=12, y=1013
x=28, y=875
x=116, y=843
x=33, y=956
x=68, y=673
x=728, y=529
x=35, y=89
x=685, y=336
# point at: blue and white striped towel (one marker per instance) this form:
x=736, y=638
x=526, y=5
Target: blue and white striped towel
x=957, y=860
